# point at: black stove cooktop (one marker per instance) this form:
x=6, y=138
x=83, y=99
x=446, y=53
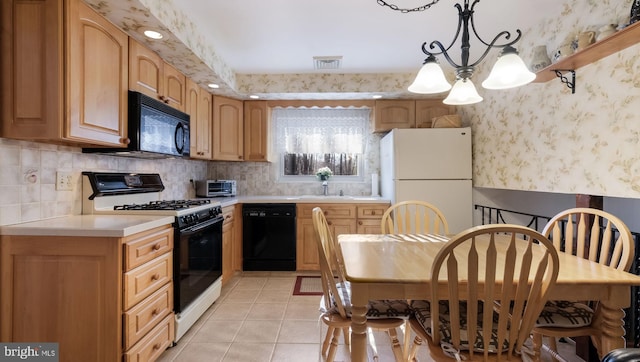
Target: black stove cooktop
x=164, y=205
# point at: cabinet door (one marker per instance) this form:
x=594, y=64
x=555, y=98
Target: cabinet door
x=256, y=131
x=198, y=106
x=145, y=70
x=228, y=134
x=174, y=85
x=31, y=63
x=391, y=114
x=98, y=76
x=306, y=248
x=63, y=289
x=427, y=109
x=228, y=236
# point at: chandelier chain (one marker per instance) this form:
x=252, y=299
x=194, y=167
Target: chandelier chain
x=396, y=8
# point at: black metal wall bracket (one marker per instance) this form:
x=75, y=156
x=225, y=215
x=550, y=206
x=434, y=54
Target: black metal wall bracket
x=571, y=84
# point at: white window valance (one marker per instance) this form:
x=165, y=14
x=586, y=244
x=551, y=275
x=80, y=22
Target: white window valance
x=320, y=130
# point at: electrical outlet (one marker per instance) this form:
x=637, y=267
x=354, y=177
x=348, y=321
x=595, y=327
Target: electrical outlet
x=64, y=181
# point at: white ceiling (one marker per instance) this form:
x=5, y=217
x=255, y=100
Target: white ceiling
x=283, y=36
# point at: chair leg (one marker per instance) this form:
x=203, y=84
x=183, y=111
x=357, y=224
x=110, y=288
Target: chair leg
x=395, y=345
x=334, y=345
x=537, y=345
x=327, y=340
x=553, y=347
x=347, y=335
x=417, y=342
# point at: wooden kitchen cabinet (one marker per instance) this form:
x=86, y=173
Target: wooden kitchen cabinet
x=369, y=218
x=342, y=218
x=228, y=129
x=256, y=131
x=200, y=109
x=390, y=114
x=427, y=109
x=65, y=74
x=228, y=243
x=150, y=75
x=72, y=290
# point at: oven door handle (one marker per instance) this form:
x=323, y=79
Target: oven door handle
x=196, y=228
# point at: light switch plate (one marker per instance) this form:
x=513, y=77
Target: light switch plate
x=64, y=181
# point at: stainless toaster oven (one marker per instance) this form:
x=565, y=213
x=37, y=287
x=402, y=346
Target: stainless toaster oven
x=215, y=188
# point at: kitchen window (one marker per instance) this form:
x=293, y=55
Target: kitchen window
x=310, y=138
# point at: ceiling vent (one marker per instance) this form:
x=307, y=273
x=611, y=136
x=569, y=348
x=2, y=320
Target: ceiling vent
x=324, y=63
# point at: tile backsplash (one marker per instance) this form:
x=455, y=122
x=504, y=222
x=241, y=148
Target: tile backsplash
x=28, y=177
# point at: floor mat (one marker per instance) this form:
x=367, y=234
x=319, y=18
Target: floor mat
x=308, y=285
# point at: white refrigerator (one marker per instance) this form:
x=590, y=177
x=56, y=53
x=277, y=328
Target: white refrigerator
x=433, y=165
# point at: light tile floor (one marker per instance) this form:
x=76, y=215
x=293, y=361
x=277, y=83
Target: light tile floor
x=258, y=319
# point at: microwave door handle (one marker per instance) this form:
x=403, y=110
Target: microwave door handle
x=179, y=127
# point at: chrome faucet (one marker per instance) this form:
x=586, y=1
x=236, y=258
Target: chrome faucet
x=325, y=188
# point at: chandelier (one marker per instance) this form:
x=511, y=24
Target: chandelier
x=509, y=71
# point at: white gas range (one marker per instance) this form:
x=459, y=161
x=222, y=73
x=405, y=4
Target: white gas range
x=197, y=252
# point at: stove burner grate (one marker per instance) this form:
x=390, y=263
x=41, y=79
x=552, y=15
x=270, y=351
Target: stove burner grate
x=164, y=205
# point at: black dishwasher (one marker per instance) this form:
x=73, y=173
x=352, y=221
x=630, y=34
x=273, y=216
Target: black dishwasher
x=269, y=237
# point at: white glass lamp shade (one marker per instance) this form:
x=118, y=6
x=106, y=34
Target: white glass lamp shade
x=430, y=80
x=508, y=72
x=463, y=92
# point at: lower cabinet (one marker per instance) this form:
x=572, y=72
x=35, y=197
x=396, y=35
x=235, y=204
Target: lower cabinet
x=342, y=218
x=100, y=298
x=229, y=244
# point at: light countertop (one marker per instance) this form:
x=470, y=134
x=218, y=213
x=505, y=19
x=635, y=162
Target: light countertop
x=89, y=225
x=304, y=199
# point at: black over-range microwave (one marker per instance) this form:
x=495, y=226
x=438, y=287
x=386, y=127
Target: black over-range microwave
x=156, y=130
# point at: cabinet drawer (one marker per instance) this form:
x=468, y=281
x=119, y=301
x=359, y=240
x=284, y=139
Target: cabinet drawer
x=154, y=343
x=373, y=211
x=147, y=246
x=140, y=282
x=145, y=315
x=330, y=210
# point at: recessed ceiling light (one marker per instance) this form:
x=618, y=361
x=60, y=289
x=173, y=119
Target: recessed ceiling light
x=253, y=96
x=377, y=96
x=153, y=34
x=213, y=85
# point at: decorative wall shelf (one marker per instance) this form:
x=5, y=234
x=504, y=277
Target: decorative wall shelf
x=594, y=52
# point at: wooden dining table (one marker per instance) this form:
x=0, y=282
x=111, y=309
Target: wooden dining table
x=398, y=266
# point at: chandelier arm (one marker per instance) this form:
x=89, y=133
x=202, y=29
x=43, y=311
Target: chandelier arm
x=492, y=44
x=442, y=51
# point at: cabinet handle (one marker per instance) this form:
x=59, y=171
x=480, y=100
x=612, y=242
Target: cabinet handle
x=154, y=312
x=228, y=217
x=155, y=277
x=156, y=247
x=156, y=346
x=329, y=223
x=161, y=98
x=125, y=141
x=359, y=222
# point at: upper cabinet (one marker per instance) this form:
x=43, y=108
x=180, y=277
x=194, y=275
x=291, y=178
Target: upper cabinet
x=228, y=129
x=64, y=74
x=256, y=131
x=150, y=75
x=200, y=109
x=390, y=114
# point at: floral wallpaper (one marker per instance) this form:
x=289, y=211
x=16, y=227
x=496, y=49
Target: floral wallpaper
x=543, y=138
